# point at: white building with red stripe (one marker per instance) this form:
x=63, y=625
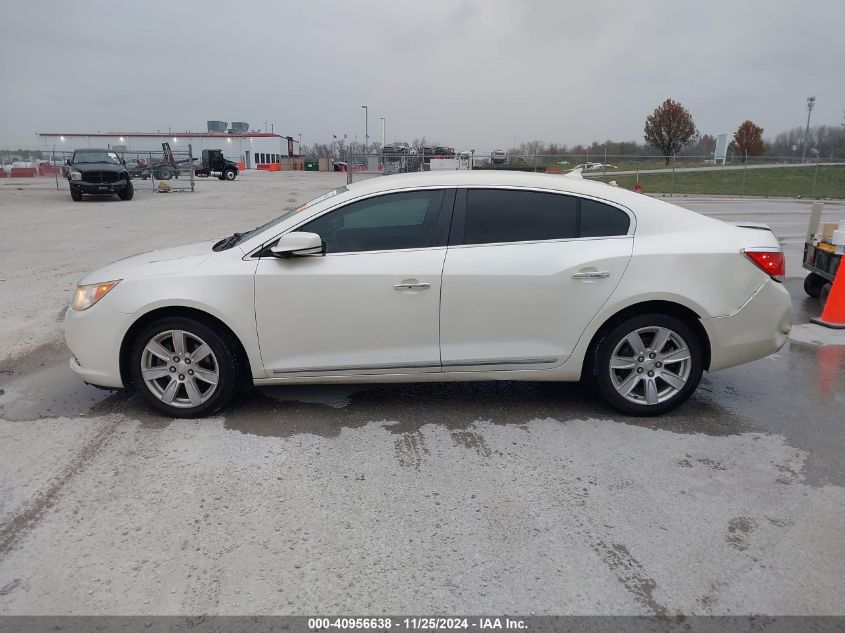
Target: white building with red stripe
x=249, y=148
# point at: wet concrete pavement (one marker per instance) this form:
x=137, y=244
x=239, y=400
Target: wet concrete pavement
x=476, y=497
x=414, y=498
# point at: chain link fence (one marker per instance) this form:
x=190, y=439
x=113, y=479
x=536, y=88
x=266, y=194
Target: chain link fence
x=167, y=170
x=155, y=171
x=777, y=176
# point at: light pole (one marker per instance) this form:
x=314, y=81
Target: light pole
x=811, y=102
x=300, y=143
x=366, y=128
x=382, y=133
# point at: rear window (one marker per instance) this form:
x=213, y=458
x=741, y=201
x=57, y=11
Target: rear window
x=602, y=220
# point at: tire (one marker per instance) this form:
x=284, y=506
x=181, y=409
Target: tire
x=75, y=194
x=683, y=370
x=229, y=174
x=168, y=385
x=813, y=284
x=824, y=294
x=127, y=192
x=164, y=174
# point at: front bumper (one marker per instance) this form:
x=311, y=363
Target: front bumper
x=759, y=328
x=99, y=187
x=94, y=337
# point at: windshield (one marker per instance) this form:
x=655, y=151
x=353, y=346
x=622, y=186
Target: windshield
x=96, y=156
x=230, y=241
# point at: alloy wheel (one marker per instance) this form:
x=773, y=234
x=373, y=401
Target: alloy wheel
x=650, y=365
x=179, y=368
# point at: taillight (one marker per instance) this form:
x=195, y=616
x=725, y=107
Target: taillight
x=769, y=260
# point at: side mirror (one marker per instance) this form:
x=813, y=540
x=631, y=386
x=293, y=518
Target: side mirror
x=298, y=244
x=67, y=161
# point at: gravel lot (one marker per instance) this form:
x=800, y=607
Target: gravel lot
x=460, y=498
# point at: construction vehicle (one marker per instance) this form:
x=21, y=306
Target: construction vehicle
x=498, y=157
x=162, y=169
x=213, y=164
x=398, y=159
x=822, y=255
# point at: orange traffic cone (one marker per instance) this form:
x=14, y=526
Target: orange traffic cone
x=833, y=314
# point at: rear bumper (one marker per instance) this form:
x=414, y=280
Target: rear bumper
x=761, y=327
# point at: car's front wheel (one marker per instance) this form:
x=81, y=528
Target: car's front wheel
x=183, y=368
x=127, y=192
x=648, y=365
x=229, y=174
x=76, y=194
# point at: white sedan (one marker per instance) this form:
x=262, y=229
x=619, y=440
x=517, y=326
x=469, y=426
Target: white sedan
x=444, y=276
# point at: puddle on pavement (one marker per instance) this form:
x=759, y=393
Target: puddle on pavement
x=799, y=393
x=51, y=392
x=41, y=385
x=405, y=408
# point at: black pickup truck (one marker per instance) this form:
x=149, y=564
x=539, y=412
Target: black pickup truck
x=98, y=171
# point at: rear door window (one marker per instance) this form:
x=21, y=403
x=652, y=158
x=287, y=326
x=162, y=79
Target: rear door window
x=506, y=215
x=492, y=216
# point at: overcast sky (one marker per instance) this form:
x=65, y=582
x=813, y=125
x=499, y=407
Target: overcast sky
x=464, y=73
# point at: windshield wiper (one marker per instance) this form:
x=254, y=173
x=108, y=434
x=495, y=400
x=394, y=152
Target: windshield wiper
x=227, y=242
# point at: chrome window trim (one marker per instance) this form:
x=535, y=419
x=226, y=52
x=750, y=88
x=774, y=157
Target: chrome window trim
x=552, y=241
x=253, y=254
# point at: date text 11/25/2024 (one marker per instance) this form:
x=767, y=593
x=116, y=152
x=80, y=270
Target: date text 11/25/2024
x=416, y=623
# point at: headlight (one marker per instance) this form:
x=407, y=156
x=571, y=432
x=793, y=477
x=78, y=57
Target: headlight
x=75, y=175
x=86, y=296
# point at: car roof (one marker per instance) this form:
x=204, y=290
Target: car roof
x=493, y=178
x=652, y=215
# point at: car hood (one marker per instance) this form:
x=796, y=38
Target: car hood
x=85, y=167
x=165, y=261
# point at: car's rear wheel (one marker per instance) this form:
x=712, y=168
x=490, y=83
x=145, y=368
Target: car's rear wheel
x=813, y=284
x=127, y=192
x=648, y=365
x=183, y=368
x=75, y=194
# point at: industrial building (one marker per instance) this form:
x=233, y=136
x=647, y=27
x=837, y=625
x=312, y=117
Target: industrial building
x=251, y=149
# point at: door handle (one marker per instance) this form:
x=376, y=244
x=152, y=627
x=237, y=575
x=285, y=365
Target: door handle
x=416, y=285
x=592, y=274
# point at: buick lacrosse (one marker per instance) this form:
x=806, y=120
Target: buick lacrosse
x=441, y=276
